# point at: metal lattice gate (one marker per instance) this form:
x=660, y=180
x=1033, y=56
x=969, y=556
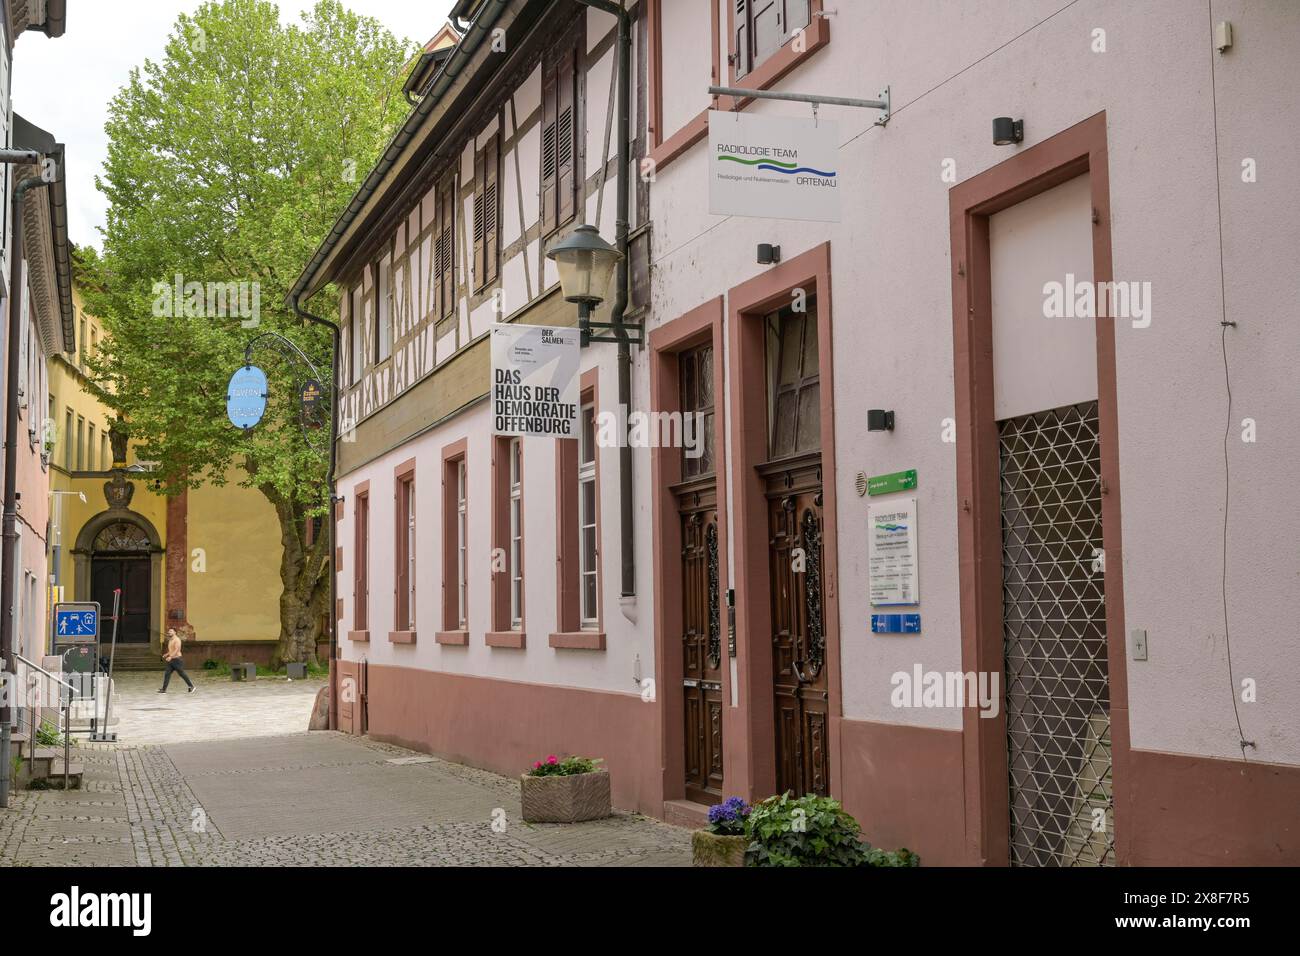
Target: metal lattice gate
x=1054, y=634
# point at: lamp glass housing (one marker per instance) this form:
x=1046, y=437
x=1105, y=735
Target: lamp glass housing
x=586, y=265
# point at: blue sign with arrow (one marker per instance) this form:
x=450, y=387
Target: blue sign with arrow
x=246, y=397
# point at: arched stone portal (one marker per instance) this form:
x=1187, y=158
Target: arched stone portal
x=120, y=548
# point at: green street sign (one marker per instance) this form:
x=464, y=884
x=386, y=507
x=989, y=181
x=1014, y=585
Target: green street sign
x=898, y=481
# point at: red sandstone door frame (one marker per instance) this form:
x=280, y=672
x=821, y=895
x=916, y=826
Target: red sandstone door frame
x=702, y=324
x=1078, y=150
x=751, y=750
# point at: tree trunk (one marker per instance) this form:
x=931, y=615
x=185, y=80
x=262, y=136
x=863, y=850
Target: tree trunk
x=304, y=578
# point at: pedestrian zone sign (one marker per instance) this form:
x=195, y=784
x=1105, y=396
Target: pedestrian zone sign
x=76, y=622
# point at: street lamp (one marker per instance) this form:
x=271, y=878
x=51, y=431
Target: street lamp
x=586, y=264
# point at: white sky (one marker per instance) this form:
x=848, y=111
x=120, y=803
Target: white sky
x=64, y=85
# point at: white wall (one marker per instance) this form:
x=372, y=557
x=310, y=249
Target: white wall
x=952, y=68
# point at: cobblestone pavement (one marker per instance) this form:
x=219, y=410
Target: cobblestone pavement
x=179, y=791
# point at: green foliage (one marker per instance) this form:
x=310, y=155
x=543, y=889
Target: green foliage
x=812, y=831
x=553, y=766
x=47, y=735
x=228, y=161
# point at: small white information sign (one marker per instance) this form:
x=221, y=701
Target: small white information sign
x=776, y=167
x=891, y=553
x=535, y=387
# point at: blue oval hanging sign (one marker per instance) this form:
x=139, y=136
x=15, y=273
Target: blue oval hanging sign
x=246, y=397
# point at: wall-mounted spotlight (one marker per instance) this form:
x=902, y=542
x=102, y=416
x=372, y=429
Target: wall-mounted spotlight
x=879, y=420
x=1007, y=131
x=768, y=254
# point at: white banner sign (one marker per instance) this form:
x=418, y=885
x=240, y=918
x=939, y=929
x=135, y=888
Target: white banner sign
x=891, y=553
x=773, y=167
x=535, y=381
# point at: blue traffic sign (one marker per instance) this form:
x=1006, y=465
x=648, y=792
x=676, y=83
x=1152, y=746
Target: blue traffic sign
x=78, y=623
x=246, y=397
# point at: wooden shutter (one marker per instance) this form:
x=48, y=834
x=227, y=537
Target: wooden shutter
x=446, y=252
x=550, y=109
x=480, y=217
x=566, y=138
x=492, y=208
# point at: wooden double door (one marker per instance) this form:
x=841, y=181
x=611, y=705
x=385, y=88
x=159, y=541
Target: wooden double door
x=133, y=575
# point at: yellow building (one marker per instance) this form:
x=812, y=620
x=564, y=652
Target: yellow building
x=206, y=562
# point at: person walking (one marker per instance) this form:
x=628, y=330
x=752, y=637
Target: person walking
x=174, y=661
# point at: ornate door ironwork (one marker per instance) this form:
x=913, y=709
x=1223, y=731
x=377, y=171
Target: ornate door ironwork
x=1054, y=638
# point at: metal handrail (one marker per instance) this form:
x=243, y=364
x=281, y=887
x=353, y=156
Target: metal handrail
x=53, y=677
x=67, y=717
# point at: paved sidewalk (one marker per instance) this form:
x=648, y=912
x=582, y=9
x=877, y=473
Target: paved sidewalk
x=177, y=790
x=218, y=709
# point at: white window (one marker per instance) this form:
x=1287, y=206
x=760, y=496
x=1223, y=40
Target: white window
x=516, y=536
x=462, y=548
x=587, y=550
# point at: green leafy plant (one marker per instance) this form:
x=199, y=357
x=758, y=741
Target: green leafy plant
x=47, y=735
x=812, y=831
x=553, y=766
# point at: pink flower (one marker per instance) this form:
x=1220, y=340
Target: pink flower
x=552, y=759
x=538, y=765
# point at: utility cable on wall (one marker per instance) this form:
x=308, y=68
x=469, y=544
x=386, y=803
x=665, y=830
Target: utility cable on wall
x=1224, y=325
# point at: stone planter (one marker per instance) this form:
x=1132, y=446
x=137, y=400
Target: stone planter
x=296, y=670
x=579, y=796
x=713, y=849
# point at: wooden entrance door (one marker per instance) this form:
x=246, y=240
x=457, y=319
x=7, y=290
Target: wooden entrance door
x=701, y=643
x=800, y=694
x=132, y=575
x=702, y=648
x=793, y=486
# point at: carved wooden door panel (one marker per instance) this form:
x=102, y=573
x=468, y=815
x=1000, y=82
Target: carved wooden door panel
x=798, y=632
x=702, y=653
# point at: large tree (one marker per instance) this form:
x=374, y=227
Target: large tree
x=228, y=161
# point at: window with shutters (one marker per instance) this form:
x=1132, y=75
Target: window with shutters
x=361, y=564
x=588, y=550
x=487, y=212
x=455, y=544
x=559, y=139
x=404, y=559
x=507, y=535
x=444, y=247
x=762, y=27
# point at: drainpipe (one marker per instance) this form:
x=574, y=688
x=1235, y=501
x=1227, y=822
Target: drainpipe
x=329, y=480
x=619, y=308
x=10, y=525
